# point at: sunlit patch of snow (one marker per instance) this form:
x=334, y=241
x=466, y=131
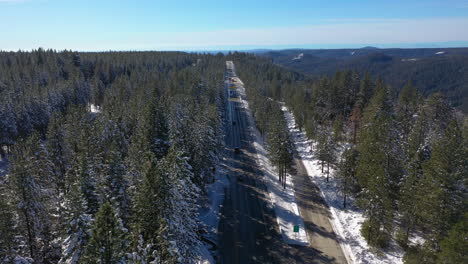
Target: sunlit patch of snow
x=412, y=59
x=353, y=52
x=299, y=56
x=440, y=52
x=206, y=257
x=94, y=108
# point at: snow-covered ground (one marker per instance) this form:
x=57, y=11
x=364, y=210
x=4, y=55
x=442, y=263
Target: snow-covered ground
x=345, y=222
x=94, y=108
x=299, y=56
x=210, y=214
x=440, y=52
x=283, y=200
x=412, y=59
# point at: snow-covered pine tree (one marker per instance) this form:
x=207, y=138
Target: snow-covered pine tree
x=158, y=129
x=378, y=170
x=88, y=186
x=428, y=127
x=115, y=183
x=326, y=149
x=7, y=232
x=346, y=173
x=24, y=124
x=181, y=213
x=78, y=224
x=443, y=184
x=59, y=154
x=108, y=242
x=205, y=141
x=279, y=143
x=8, y=129
x=30, y=171
x=143, y=253
x=148, y=221
x=138, y=155
x=59, y=151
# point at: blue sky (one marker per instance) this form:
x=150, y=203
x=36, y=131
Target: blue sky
x=96, y=25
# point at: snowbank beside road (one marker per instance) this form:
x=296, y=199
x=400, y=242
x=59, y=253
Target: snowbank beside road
x=210, y=213
x=284, y=202
x=345, y=222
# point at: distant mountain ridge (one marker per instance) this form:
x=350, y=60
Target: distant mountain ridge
x=429, y=69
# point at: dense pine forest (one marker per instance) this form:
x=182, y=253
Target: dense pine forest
x=401, y=156
x=107, y=155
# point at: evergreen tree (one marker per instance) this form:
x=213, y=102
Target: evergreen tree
x=6, y=231
x=158, y=129
x=326, y=150
x=59, y=152
x=149, y=221
x=143, y=253
x=453, y=247
x=378, y=168
x=181, y=213
x=78, y=225
x=139, y=154
x=337, y=130
x=117, y=185
x=365, y=92
x=108, y=243
x=8, y=128
x=347, y=173
x=417, y=152
x=87, y=178
x=443, y=179
x=279, y=143
x=30, y=169
x=406, y=109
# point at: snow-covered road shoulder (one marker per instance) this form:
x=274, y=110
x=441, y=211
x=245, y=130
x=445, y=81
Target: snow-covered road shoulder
x=345, y=222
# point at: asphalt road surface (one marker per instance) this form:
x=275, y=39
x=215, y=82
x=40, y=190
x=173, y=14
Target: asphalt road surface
x=248, y=231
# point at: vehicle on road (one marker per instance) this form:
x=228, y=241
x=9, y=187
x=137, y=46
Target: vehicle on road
x=240, y=178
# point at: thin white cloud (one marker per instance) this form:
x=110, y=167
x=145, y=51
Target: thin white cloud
x=358, y=32
x=341, y=20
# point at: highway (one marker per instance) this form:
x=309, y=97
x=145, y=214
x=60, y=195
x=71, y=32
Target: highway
x=248, y=230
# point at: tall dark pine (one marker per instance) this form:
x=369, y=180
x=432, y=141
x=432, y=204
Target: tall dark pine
x=378, y=168
x=7, y=232
x=444, y=179
x=150, y=204
x=108, y=243
x=29, y=175
x=78, y=224
x=347, y=173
